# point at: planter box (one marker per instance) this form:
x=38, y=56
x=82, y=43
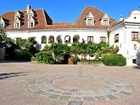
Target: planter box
x=2, y=53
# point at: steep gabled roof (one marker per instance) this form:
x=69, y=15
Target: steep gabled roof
x=97, y=18
x=41, y=17
x=43, y=21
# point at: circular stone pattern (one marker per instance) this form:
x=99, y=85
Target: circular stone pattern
x=80, y=88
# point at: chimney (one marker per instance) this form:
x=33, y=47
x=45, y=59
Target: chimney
x=121, y=18
x=28, y=9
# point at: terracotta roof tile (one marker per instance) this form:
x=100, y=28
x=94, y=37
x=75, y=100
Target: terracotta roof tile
x=41, y=18
x=97, y=17
x=43, y=21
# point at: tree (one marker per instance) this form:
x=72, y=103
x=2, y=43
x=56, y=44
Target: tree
x=3, y=38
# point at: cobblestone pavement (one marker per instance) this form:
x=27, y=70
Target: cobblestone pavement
x=40, y=84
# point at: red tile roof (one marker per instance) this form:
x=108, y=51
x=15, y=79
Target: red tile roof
x=97, y=17
x=43, y=21
x=41, y=18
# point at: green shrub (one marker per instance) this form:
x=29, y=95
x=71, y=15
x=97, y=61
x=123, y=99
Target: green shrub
x=114, y=60
x=22, y=55
x=44, y=57
x=75, y=59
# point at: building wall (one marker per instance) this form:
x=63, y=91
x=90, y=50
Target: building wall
x=83, y=33
x=125, y=44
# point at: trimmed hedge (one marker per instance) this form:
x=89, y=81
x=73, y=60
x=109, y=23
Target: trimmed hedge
x=114, y=60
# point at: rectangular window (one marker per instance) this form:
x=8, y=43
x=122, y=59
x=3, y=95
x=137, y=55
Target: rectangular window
x=90, y=39
x=116, y=39
x=1, y=25
x=90, y=21
x=31, y=24
x=102, y=39
x=134, y=36
x=135, y=46
x=17, y=25
x=105, y=22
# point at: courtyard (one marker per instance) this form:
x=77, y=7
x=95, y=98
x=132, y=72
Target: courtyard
x=26, y=83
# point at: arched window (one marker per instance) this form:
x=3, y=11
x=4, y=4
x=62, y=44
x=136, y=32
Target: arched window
x=43, y=40
x=51, y=39
x=67, y=39
x=59, y=39
x=76, y=39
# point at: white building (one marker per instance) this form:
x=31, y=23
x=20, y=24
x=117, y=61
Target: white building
x=126, y=34
x=92, y=25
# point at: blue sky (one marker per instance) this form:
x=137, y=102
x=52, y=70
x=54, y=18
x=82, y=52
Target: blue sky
x=69, y=10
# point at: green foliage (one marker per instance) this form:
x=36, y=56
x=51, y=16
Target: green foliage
x=4, y=40
x=114, y=60
x=44, y=57
x=27, y=44
x=22, y=54
x=75, y=59
x=46, y=48
x=59, y=51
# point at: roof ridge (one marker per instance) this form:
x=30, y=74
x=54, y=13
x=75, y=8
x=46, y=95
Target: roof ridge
x=23, y=10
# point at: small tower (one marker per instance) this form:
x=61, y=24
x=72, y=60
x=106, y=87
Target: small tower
x=28, y=9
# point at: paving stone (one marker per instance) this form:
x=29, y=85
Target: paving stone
x=100, y=97
x=125, y=93
x=59, y=92
x=74, y=90
x=64, y=97
x=67, y=93
x=54, y=96
x=89, y=98
x=75, y=103
x=114, y=90
x=76, y=98
x=108, y=91
x=111, y=97
x=50, y=90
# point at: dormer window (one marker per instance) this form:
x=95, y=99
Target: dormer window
x=17, y=23
x=17, y=15
x=30, y=14
x=31, y=22
x=2, y=23
x=105, y=20
x=90, y=19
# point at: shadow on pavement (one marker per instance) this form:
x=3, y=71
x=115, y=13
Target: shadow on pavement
x=136, y=67
x=10, y=75
x=13, y=61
